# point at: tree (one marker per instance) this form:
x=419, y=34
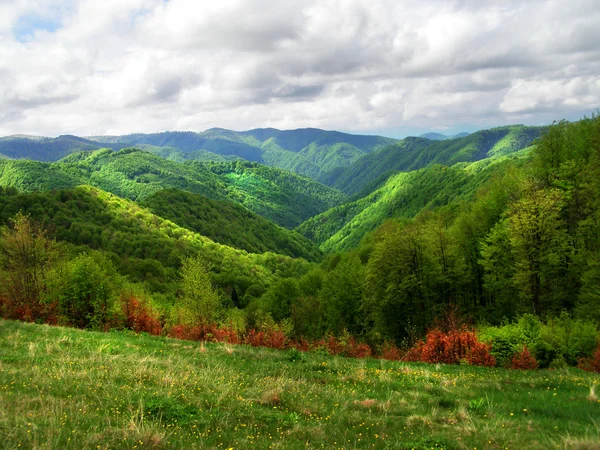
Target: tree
x=539, y=246
x=86, y=290
x=26, y=254
x=341, y=295
x=200, y=304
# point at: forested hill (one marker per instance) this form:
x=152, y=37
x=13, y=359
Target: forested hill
x=309, y=151
x=229, y=224
x=414, y=153
x=48, y=149
x=403, y=195
x=281, y=196
x=145, y=247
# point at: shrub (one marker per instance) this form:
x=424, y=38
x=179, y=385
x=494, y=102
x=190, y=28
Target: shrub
x=391, y=352
x=140, y=317
x=523, y=360
x=86, y=290
x=563, y=336
x=591, y=364
x=451, y=347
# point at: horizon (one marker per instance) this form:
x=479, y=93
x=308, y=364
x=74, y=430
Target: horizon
x=429, y=131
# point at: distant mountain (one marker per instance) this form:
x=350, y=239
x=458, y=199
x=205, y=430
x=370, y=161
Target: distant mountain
x=442, y=137
x=48, y=149
x=286, y=198
x=434, y=136
x=414, y=153
x=307, y=151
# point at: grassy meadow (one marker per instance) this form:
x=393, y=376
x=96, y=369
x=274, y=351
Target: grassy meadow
x=66, y=388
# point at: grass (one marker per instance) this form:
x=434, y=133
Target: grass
x=65, y=388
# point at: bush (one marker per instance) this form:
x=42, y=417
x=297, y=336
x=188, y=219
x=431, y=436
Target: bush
x=140, y=317
x=561, y=338
x=86, y=290
x=523, y=360
x=452, y=347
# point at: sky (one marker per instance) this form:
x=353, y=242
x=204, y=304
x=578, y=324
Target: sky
x=396, y=68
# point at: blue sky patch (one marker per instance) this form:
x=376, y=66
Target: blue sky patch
x=26, y=26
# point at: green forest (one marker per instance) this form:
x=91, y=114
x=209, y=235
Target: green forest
x=497, y=232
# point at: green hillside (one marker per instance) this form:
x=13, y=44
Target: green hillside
x=310, y=151
x=229, y=224
x=416, y=153
x=402, y=195
x=47, y=149
x=146, y=247
x=283, y=197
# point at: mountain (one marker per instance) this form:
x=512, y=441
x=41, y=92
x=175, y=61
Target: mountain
x=145, y=247
x=402, y=195
x=442, y=137
x=414, y=153
x=228, y=223
x=286, y=198
x=434, y=136
x=307, y=151
x=47, y=149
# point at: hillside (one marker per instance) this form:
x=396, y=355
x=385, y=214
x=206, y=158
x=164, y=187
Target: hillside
x=402, y=195
x=307, y=151
x=48, y=149
x=310, y=151
x=229, y=224
x=416, y=153
x=442, y=137
x=283, y=197
x=73, y=389
x=145, y=246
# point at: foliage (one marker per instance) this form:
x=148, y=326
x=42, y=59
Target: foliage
x=452, y=347
x=229, y=224
x=86, y=290
x=199, y=304
x=523, y=360
x=26, y=256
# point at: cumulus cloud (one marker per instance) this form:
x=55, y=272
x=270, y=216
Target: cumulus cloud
x=121, y=66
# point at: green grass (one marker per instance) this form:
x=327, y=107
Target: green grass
x=64, y=388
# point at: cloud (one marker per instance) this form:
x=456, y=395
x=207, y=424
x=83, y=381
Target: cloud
x=121, y=66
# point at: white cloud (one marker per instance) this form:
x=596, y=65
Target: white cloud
x=121, y=66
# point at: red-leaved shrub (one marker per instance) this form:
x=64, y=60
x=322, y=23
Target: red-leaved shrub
x=451, y=347
x=269, y=338
x=523, y=360
x=355, y=349
x=391, y=352
x=591, y=364
x=140, y=317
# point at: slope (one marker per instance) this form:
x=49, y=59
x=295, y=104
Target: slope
x=414, y=153
x=47, y=149
x=283, y=197
x=145, y=246
x=403, y=194
x=229, y=224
